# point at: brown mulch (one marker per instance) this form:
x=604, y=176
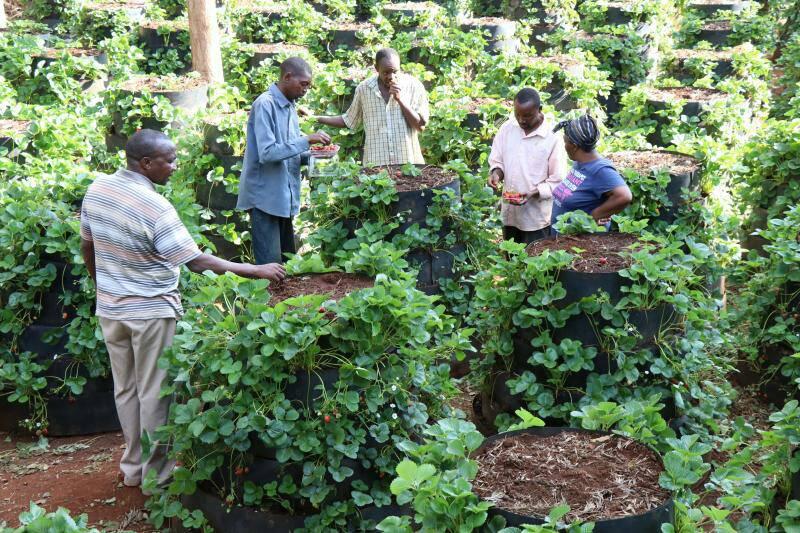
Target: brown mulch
x=752, y=406
x=598, y=477
x=711, y=2
x=77, y=473
x=352, y=26
x=711, y=55
x=485, y=21
x=113, y=6
x=162, y=84
x=52, y=53
x=474, y=105
x=431, y=176
x=597, y=252
x=266, y=48
x=410, y=6
x=644, y=161
x=693, y=94
x=336, y=285
x=11, y=127
x=718, y=25
x=174, y=25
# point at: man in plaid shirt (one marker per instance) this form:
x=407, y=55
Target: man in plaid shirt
x=393, y=106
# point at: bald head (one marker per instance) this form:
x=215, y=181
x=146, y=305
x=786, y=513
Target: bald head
x=296, y=66
x=147, y=143
x=152, y=154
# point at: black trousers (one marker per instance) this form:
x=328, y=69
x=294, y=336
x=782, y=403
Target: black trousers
x=512, y=233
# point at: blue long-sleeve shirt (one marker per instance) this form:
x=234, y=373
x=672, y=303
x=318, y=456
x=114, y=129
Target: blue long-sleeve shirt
x=270, y=179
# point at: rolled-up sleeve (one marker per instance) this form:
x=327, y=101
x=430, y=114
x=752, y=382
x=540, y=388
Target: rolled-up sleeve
x=172, y=240
x=355, y=114
x=268, y=148
x=496, y=155
x=421, y=106
x=556, y=169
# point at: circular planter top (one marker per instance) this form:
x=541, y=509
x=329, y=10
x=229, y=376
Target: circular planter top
x=563, y=61
x=689, y=94
x=263, y=7
x=717, y=25
x=274, y=48
x=336, y=285
x=599, y=252
x=171, y=25
x=53, y=53
x=216, y=119
x=431, y=177
x=476, y=105
x=132, y=6
x=487, y=21
x=419, y=7
x=646, y=161
x=710, y=55
x=350, y=26
x=12, y=128
x=157, y=84
x=601, y=476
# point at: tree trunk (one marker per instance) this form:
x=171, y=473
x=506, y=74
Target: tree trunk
x=204, y=40
x=3, y=19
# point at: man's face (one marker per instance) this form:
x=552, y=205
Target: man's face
x=160, y=166
x=528, y=115
x=388, y=68
x=296, y=85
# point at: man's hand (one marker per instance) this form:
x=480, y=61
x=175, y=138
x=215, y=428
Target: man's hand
x=394, y=90
x=495, y=177
x=270, y=271
x=319, y=138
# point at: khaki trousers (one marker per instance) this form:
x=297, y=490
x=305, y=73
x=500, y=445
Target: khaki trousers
x=134, y=347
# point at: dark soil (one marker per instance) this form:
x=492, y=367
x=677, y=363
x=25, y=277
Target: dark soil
x=645, y=161
x=336, y=285
x=158, y=84
x=11, y=127
x=718, y=25
x=78, y=473
x=53, y=53
x=431, y=177
x=597, y=252
x=692, y=94
x=598, y=477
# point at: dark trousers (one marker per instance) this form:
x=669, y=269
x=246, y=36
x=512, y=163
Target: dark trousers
x=273, y=237
x=512, y=233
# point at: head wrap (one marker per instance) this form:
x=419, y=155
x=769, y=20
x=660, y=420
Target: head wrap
x=582, y=132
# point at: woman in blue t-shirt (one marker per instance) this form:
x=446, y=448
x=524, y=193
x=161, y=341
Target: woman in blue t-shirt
x=593, y=184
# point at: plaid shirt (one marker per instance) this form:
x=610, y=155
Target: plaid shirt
x=389, y=140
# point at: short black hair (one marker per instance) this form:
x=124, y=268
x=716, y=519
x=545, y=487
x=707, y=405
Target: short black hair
x=295, y=66
x=147, y=143
x=528, y=95
x=386, y=53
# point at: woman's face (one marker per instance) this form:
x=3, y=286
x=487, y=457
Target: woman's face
x=570, y=148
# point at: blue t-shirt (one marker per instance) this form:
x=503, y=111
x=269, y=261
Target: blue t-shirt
x=584, y=186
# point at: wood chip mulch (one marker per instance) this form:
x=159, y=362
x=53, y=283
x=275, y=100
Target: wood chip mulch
x=596, y=252
x=599, y=478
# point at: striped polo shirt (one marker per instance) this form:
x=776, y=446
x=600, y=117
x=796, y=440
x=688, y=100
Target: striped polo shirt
x=139, y=245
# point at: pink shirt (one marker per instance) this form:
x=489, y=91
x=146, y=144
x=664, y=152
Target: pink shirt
x=536, y=161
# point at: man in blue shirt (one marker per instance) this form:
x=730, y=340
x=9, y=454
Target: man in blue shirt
x=269, y=187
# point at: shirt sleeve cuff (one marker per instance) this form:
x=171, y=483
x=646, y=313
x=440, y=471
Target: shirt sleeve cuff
x=545, y=192
x=303, y=145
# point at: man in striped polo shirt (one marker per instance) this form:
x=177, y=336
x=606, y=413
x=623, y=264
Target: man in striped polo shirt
x=133, y=245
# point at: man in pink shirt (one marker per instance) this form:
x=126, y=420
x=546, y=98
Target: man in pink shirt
x=530, y=159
